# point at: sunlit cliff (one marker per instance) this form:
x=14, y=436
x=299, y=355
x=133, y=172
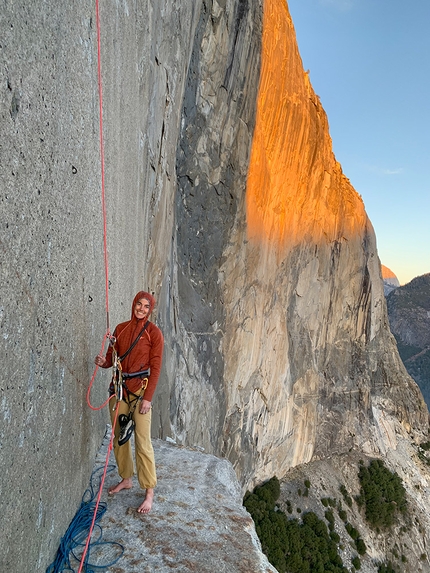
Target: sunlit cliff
x=296, y=191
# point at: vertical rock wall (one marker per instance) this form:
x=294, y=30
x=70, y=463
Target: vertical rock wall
x=212, y=161
x=303, y=291
x=52, y=307
x=282, y=343
x=51, y=272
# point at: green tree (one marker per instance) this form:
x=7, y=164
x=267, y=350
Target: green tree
x=292, y=546
x=382, y=494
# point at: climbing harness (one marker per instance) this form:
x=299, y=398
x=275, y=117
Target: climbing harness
x=126, y=421
x=123, y=393
x=118, y=384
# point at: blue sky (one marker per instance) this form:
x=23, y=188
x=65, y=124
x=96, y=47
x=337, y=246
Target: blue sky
x=369, y=61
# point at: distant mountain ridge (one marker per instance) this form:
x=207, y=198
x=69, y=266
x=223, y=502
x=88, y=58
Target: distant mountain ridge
x=409, y=315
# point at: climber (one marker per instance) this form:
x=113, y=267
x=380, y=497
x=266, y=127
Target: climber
x=138, y=343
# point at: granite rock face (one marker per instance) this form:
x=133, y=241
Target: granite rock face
x=51, y=243
x=280, y=329
x=223, y=197
x=53, y=296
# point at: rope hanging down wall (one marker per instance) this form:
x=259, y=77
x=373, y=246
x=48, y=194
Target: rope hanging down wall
x=84, y=522
x=102, y=164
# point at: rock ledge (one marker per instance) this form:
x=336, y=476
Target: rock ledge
x=197, y=523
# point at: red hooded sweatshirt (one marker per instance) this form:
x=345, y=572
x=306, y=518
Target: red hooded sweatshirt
x=147, y=354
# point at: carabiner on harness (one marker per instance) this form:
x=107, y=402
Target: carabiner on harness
x=117, y=376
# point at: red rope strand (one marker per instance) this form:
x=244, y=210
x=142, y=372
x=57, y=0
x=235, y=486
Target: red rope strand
x=110, y=447
x=103, y=197
x=102, y=161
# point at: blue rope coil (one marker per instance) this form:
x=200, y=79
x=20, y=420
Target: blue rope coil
x=77, y=533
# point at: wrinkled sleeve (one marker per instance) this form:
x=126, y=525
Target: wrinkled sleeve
x=155, y=361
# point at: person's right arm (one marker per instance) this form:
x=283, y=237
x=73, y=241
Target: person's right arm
x=100, y=361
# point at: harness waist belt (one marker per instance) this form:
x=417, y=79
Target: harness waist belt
x=143, y=374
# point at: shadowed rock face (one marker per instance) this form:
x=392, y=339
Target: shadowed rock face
x=211, y=166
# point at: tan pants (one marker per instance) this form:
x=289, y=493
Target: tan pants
x=145, y=462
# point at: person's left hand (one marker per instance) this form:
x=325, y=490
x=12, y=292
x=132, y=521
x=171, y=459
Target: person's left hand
x=144, y=407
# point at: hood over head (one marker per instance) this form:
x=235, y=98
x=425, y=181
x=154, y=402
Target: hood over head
x=148, y=297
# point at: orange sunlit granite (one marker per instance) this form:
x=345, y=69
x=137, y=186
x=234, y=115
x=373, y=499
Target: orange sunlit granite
x=296, y=190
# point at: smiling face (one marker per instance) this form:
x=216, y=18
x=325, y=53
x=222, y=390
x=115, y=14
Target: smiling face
x=141, y=308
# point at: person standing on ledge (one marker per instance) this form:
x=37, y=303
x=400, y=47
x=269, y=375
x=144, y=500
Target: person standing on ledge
x=139, y=344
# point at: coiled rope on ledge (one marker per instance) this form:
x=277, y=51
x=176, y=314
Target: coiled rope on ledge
x=81, y=528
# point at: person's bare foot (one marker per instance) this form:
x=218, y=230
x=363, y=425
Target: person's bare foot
x=146, y=506
x=123, y=484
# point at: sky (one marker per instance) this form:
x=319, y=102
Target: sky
x=369, y=62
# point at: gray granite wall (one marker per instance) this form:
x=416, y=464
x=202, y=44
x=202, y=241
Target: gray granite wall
x=52, y=305
x=52, y=296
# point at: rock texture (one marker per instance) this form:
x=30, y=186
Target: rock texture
x=198, y=521
x=391, y=282
x=53, y=307
x=409, y=316
x=286, y=353
x=223, y=197
x=51, y=243
x=198, y=518
x=211, y=166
